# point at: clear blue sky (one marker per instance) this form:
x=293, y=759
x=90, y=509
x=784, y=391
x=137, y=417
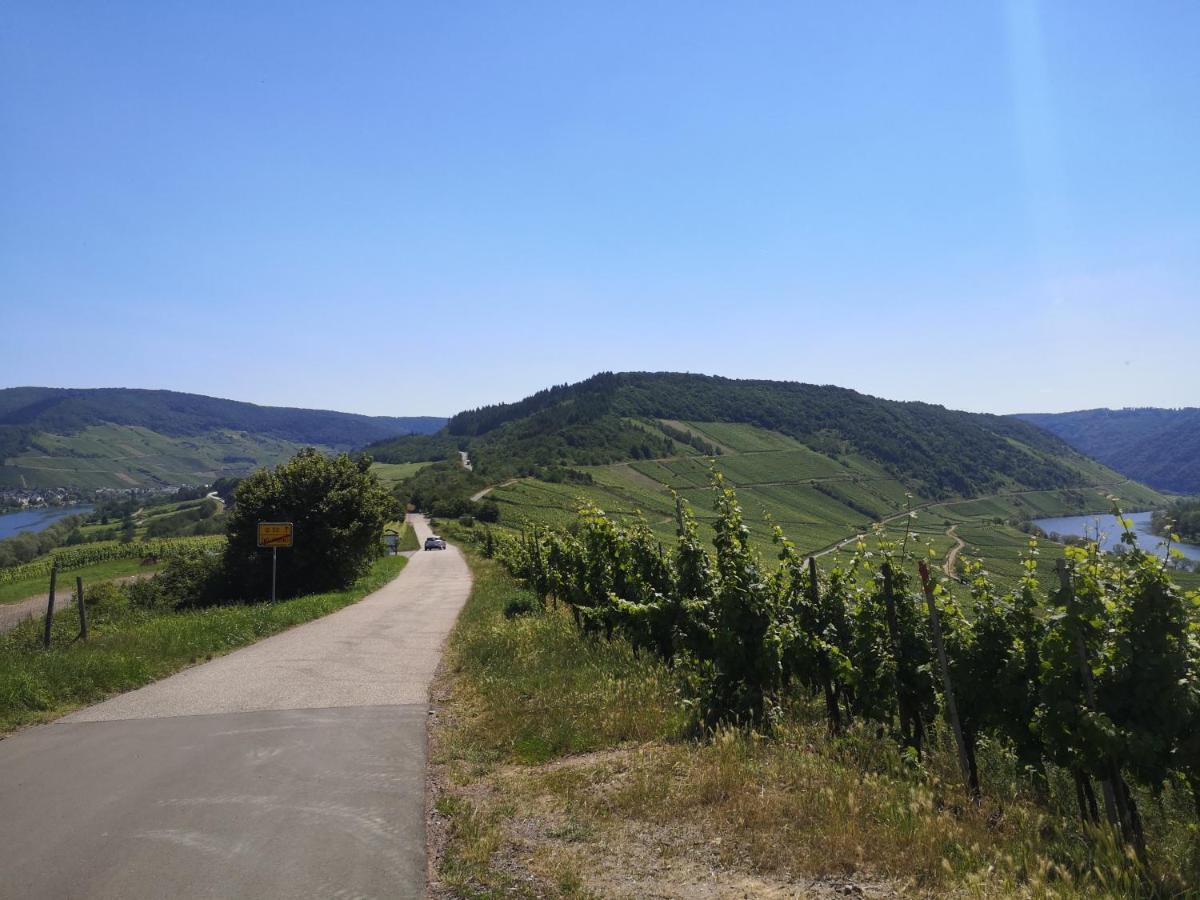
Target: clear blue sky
x=415, y=208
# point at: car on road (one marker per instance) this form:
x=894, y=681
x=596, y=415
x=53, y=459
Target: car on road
x=433, y=542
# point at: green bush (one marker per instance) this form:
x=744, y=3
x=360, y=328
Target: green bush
x=339, y=510
x=103, y=594
x=147, y=594
x=196, y=578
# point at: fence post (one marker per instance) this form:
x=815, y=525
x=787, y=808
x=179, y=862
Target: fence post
x=935, y=624
x=50, y=605
x=82, y=607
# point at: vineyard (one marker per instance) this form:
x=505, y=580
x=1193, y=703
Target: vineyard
x=69, y=558
x=1089, y=678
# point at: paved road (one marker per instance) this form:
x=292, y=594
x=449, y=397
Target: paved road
x=291, y=768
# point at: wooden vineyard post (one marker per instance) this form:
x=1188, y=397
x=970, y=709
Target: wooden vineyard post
x=50, y=606
x=82, y=608
x=970, y=778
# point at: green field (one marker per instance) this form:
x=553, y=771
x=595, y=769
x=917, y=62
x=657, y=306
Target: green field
x=143, y=520
x=124, y=456
x=817, y=499
x=391, y=474
x=15, y=591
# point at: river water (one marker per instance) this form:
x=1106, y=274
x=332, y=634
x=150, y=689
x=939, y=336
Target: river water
x=1110, y=531
x=37, y=519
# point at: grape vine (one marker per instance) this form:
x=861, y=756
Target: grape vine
x=1097, y=672
x=69, y=558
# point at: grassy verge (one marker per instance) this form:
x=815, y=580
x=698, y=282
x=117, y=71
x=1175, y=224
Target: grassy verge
x=408, y=539
x=16, y=591
x=128, y=646
x=523, y=690
x=391, y=474
x=563, y=767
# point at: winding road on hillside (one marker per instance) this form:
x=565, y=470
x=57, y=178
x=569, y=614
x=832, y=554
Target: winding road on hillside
x=952, y=556
x=294, y=767
x=479, y=495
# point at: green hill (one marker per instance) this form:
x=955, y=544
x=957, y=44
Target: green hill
x=822, y=462
x=117, y=437
x=1160, y=447
x=615, y=417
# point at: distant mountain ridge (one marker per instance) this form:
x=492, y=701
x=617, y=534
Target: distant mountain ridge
x=67, y=410
x=615, y=416
x=164, y=436
x=1160, y=447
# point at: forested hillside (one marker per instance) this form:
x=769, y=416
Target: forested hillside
x=118, y=437
x=68, y=411
x=613, y=417
x=1160, y=447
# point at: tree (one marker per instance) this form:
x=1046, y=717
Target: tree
x=338, y=508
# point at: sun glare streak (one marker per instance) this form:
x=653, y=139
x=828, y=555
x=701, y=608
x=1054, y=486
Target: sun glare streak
x=1035, y=124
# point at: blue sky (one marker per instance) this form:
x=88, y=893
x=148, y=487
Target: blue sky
x=415, y=208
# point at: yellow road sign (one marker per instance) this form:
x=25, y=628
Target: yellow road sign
x=274, y=534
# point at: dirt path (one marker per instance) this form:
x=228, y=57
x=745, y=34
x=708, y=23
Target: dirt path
x=13, y=614
x=476, y=497
x=952, y=556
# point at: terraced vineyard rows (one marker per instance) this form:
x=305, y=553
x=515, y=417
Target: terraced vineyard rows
x=70, y=558
x=821, y=500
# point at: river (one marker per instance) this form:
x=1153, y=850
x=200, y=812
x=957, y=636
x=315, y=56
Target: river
x=37, y=519
x=1110, y=531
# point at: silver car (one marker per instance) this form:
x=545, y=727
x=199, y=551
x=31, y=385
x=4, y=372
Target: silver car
x=433, y=542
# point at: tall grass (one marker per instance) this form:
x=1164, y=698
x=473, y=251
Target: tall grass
x=128, y=646
x=534, y=690
x=408, y=538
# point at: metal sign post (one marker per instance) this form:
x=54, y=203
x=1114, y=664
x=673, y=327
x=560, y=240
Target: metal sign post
x=274, y=535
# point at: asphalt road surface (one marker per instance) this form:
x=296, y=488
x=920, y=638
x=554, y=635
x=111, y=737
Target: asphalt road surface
x=291, y=768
